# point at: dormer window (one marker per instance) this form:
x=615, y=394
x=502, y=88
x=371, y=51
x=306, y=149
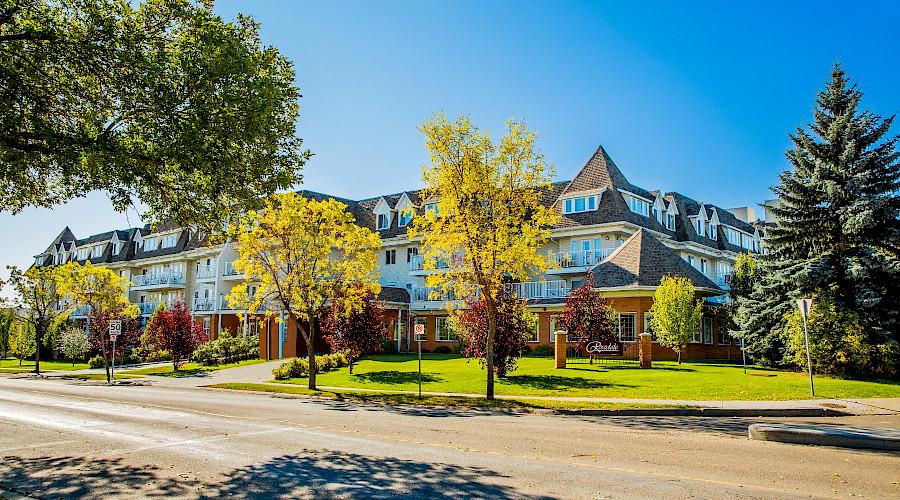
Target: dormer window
x=169, y=240
x=82, y=254
x=383, y=221
x=431, y=208
x=582, y=204
x=701, y=227
x=38, y=260
x=640, y=207
x=96, y=252
x=713, y=233
x=670, y=222
x=404, y=218
x=117, y=247
x=150, y=244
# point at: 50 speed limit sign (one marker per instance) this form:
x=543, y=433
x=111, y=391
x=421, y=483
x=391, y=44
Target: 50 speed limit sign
x=115, y=328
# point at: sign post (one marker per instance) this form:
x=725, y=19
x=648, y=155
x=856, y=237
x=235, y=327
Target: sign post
x=805, y=306
x=115, y=328
x=419, y=333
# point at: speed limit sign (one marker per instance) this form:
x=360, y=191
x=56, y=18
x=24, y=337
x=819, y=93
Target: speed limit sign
x=115, y=328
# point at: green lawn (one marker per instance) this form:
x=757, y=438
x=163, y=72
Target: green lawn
x=11, y=365
x=429, y=400
x=188, y=369
x=537, y=377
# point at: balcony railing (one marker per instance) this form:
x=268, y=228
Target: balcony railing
x=80, y=311
x=170, y=278
x=230, y=270
x=417, y=262
x=723, y=279
x=148, y=307
x=424, y=294
x=206, y=272
x=539, y=289
x=204, y=304
x=584, y=258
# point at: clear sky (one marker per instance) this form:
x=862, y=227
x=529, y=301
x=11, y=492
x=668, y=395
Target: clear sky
x=696, y=97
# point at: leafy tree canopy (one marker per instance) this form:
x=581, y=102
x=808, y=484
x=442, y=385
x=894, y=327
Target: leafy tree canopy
x=161, y=102
x=675, y=314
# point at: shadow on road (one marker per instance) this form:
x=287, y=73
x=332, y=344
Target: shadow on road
x=313, y=474
x=327, y=474
x=731, y=426
x=401, y=407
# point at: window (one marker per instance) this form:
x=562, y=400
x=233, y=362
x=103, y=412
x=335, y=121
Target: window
x=253, y=325
x=206, y=327
x=707, y=331
x=390, y=256
x=713, y=233
x=583, y=204
x=690, y=259
x=169, y=240
x=670, y=221
x=405, y=217
x=383, y=221
x=703, y=266
x=695, y=337
x=96, y=251
x=627, y=327
x=535, y=331
x=442, y=331
x=700, y=228
x=431, y=207
x=724, y=338
x=150, y=244
x=82, y=253
x=38, y=260
x=117, y=247
x=648, y=326
x=410, y=252
x=640, y=207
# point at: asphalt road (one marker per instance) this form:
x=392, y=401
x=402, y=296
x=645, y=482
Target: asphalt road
x=64, y=439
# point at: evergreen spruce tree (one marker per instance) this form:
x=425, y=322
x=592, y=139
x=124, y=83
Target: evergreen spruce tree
x=837, y=233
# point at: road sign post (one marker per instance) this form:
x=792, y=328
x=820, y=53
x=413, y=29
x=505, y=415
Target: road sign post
x=419, y=333
x=115, y=329
x=805, y=306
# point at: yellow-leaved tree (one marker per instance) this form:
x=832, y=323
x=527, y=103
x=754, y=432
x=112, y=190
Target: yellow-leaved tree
x=37, y=290
x=103, y=295
x=675, y=314
x=487, y=222
x=303, y=256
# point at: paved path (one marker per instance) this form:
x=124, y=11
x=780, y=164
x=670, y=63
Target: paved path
x=76, y=439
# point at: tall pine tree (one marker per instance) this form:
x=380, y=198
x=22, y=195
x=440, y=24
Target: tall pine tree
x=837, y=233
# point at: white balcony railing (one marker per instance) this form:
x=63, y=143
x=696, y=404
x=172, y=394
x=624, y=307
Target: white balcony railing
x=230, y=270
x=424, y=294
x=170, y=278
x=202, y=304
x=148, y=307
x=417, y=262
x=206, y=272
x=81, y=311
x=585, y=258
x=540, y=289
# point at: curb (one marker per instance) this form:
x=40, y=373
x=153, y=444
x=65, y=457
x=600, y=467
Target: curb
x=821, y=435
x=704, y=412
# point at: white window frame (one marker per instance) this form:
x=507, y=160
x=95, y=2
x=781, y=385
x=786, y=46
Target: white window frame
x=150, y=244
x=206, y=326
x=589, y=204
x=404, y=218
x=648, y=327
x=633, y=316
x=384, y=222
x=82, y=254
x=670, y=222
x=708, y=333
x=431, y=207
x=536, y=333
x=169, y=240
x=96, y=251
x=442, y=331
x=640, y=207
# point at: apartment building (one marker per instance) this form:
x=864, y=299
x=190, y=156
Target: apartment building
x=626, y=236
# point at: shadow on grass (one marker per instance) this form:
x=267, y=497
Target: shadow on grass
x=413, y=356
x=394, y=377
x=557, y=382
x=310, y=474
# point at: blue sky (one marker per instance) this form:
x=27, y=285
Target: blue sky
x=696, y=97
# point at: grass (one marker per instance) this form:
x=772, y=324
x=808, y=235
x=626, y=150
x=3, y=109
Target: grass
x=188, y=369
x=429, y=400
x=535, y=376
x=97, y=376
x=11, y=365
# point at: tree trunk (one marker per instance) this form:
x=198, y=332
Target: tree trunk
x=311, y=356
x=679, y=357
x=489, y=345
x=38, y=335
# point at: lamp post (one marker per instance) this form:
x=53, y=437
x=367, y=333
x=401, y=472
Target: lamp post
x=805, y=306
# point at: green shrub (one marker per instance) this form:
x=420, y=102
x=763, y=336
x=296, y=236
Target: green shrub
x=227, y=349
x=340, y=359
x=442, y=349
x=294, y=368
x=388, y=346
x=542, y=350
x=97, y=362
x=324, y=363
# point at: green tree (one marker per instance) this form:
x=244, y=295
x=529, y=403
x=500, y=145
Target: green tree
x=73, y=343
x=489, y=222
x=837, y=232
x=37, y=290
x=160, y=101
x=7, y=319
x=675, y=314
x=302, y=257
x=102, y=293
x=22, y=342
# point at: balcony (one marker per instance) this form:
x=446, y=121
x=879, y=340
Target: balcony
x=417, y=262
x=206, y=272
x=578, y=261
x=80, y=311
x=203, y=305
x=424, y=294
x=723, y=280
x=231, y=272
x=173, y=279
x=540, y=289
x=147, y=308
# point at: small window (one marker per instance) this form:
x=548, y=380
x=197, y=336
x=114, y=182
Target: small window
x=383, y=221
x=442, y=331
x=390, y=256
x=724, y=338
x=150, y=244
x=568, y=206
x=713, y=233
x=707, y=331
x=579, y=204
x=695, y=337
x=431, y=207
x=410, y=252
x=627, y=327
x=206, y=327
x=703, y=266
x=169, y=240
x=405, y=217
x=670, y=221
x=535, y=333
x=97, y=251
x=582, y=204
x=82, y=253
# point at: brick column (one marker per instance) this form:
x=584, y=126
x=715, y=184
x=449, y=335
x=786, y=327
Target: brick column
x=560, y=350
x=646, y=348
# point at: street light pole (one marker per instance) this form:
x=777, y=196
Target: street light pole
x=805, y=306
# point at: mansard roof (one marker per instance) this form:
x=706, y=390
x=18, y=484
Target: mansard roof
x=64, y=236
x=643, y=261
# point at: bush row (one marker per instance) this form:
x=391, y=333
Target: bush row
x=299, y=367
x=227, y=349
